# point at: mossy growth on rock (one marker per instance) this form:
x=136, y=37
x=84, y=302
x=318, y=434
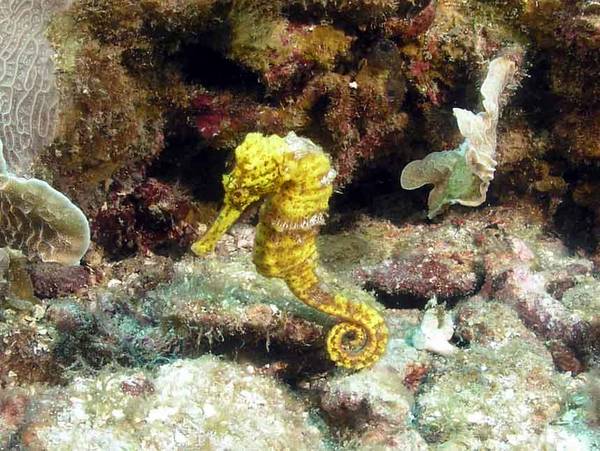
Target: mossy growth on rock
x=205, y=403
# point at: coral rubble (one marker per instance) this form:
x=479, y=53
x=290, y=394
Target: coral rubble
x=130, y=409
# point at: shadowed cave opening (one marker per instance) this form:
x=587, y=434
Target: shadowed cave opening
x=375, y=190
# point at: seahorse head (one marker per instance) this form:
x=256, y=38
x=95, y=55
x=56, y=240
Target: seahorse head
x=258, y=169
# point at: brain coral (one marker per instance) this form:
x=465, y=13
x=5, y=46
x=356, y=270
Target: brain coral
x=28, y=92
x=38, y=220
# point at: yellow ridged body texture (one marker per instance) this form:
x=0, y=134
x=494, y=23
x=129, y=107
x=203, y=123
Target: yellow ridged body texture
x=293, y=176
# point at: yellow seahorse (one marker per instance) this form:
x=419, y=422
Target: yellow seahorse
x=294, y=177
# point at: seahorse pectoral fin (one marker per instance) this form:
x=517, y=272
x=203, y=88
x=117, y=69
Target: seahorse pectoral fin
x=227, y=217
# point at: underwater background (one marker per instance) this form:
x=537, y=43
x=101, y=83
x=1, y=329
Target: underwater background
x=300, y=225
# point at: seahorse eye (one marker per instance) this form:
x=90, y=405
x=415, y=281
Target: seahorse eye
x=239, y=195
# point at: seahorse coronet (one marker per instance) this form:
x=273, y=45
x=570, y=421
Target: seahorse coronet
x=293, y=177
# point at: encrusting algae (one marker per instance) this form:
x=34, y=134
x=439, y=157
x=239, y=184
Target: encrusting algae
x=295, y=177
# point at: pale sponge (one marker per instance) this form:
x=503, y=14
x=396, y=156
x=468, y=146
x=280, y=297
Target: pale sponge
x=40, y=221
x=463, y=175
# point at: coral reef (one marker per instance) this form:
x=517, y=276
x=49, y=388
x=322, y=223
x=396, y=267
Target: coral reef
x=117, y=85
x=420, y=261
x=296, y=176
x=279, y=50
x=338, y=71
x=359, y=113
x=133, y=109
x=419, y=274
x=220, y=304
x=512, y=264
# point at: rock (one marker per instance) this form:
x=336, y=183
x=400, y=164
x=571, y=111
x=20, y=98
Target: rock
x=373, y=407
x=490, y=397
x=188, y=404
x=52, y=280
x=422, y=274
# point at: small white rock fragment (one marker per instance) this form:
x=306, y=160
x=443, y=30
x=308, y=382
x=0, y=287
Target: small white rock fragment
x=435, y=331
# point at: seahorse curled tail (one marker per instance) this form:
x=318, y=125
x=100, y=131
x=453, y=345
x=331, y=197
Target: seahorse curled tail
x=356, y=342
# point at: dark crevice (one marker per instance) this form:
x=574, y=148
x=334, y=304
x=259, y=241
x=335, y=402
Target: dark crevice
x=575, y=226
x=185, y=161
x=534, y=97
x=290, y=365
x=408, y=301
x=202, y=65
x=375, y=192
x=398, y=301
